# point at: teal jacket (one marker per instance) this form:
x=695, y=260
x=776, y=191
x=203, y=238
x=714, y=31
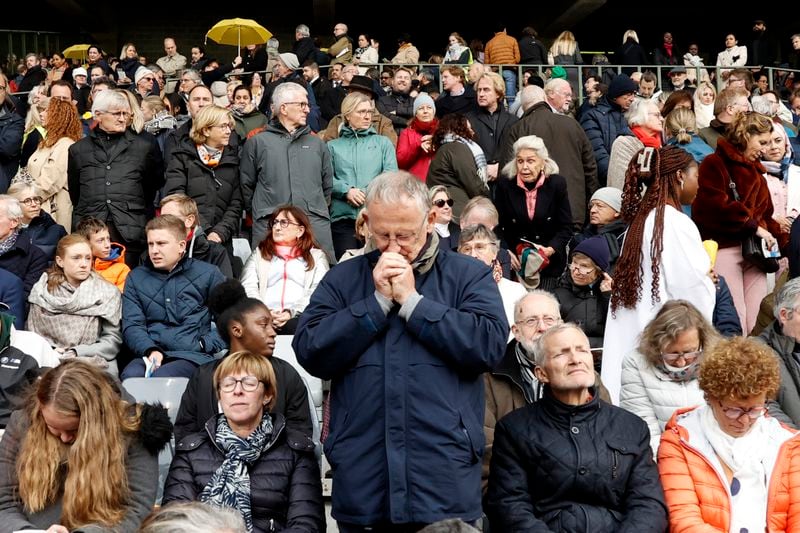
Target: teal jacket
x=357, y=157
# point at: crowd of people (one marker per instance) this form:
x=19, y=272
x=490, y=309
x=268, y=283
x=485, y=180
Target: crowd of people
x=532, y=311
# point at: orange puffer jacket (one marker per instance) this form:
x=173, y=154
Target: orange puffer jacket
x=696, y=495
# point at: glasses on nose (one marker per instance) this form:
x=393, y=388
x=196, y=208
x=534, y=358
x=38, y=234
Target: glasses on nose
x=284, y=223
x=119, y=115
x=249, y=384
x=224, y=127
x=479, y=247
x=33, y=200
x=735, y=413
x=688, y=357
x=402, y=239
x=580, y=269
x=441, y=203
x=533, y=321
x=303, y=105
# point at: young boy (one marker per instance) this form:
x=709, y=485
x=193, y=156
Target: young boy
x=109, y=257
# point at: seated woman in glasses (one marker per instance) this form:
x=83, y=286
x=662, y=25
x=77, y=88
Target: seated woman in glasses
x=584, y=289
x=724, y=465
x=205, y=167
x=447, y=230
x=36, y=224
x=357, y=155
x=480, y=242
x=660, y=376
x=248, y=459
x=286, y=267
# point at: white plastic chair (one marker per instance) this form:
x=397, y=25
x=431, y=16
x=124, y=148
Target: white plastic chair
x=241, y=248
x=284, y=350
x=167, y=392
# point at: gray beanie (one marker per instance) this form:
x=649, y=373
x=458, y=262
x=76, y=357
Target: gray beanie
x=610, y=196
x=421, y=100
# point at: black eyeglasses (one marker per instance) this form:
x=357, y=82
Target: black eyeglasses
x=283, y=223
x=441, y=203
x=249, y=383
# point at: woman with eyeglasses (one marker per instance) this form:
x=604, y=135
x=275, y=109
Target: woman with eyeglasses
x=660, y=376
x=480, y=242
x=248, y=459
x=447, y=230
x=36, y=224
x=286, y=267
x=647, y=125
x=357, y=156
x=725, y=465
x=205, y=167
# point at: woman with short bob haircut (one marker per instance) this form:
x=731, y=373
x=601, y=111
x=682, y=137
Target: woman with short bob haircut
x=79, y=457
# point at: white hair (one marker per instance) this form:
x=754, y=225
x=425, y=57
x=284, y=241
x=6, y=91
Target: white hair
x=530, y=142
x=284, y=93
x=105, y=100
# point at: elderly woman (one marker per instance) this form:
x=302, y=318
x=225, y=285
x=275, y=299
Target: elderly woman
x=662, y=258
x=525, y=216
x=36, y=225
x=647, y=125
x=357, y=155
x=205, y=167
x=724, y=465
x=18, y=255
x=480, y=242
x=660, y=376
x=286, y=267
x=248, y=459
x=733, y=202
x=79, y=457
x=447, y=230
x=458, y=162
x=585, y=288
x=75, y=309
x=415, y=144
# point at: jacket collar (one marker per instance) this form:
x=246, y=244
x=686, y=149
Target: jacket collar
x=564, y=413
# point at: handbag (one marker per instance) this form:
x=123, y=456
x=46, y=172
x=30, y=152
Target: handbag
x=753, y=245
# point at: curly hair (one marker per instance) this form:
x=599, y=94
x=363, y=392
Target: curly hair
x=739, y=367
x=658, y=171
x=674, y=318
x=455, y=124
x=62, y=121
x=304, y=243
x=106, y=423
x=746, y=125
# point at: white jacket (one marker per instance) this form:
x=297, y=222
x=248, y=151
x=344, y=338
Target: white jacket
x=735, y=56
x=648, y=393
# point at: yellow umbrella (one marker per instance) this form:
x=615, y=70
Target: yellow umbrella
x=77, y=51
x=239, y=32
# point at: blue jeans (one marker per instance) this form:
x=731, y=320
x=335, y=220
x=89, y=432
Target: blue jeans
x=510, y=77
x=171, y=368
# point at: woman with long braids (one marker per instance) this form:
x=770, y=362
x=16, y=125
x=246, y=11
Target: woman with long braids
x=662, y=257
x=79, y=457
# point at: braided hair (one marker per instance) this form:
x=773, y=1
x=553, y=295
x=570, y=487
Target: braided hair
x=656, y=169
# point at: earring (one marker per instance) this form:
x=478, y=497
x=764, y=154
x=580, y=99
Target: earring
x=681, y=182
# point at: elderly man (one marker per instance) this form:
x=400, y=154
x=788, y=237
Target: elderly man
x=18, y=255
x=172, y=63
x=342, y=50
x=572, y=462
x=287, y=164
x=512, y=384
x=404, y=333
x=287, y=69
x=558, y=95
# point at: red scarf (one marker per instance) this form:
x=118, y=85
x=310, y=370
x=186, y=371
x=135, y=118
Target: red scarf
x=530, y=194
x=651, y=140
x=287, y=253
x=668, y=49
x=424, y=128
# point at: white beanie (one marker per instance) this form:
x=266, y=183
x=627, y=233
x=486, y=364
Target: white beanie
x=610, y=196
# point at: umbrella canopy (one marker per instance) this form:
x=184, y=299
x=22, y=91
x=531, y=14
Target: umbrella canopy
x=76, y=51
x=239, y=32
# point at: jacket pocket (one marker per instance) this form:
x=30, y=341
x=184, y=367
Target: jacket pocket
x=333, y=437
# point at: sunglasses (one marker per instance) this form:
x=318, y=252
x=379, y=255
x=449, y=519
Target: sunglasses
x=441, y=203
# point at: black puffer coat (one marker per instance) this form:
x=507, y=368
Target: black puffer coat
x=285, y=484
x=115, y=177
x=585, y=306
x=586, y=468
x=216, y=190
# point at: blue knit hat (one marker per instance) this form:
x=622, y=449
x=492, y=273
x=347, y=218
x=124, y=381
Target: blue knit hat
x=596, y=249
x=621, y=84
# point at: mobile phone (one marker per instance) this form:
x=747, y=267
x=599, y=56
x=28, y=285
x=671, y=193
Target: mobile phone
x=121, y=74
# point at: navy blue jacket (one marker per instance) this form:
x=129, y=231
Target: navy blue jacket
x=25, y=261
x=167, y=311
x=603, y=123
x=12, y=127
x=406, y=427
x=45, y=233
x=13, y=295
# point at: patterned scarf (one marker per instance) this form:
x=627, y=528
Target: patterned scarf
x=477, y=153
x=230, y=484
x=497, y=270
x=680, y=374
x=530, y=385
x=9, y=243
x=209, y=156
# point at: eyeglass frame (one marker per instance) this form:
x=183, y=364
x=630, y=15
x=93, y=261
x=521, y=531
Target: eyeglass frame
x=283, y=223
x=581, y=269
x=484, y=246
x=33, y=200
x=303, y=105
x=227, y=126
x=688, y=357
x=727, y=411
x=533, y=321
x=225, y=384
x=116, y=114
x=449, y=202
x=401, y=240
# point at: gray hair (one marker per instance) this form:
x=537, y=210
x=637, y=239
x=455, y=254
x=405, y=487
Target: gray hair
x=549, y=296
x=477, y=231
x=539, y=352
x=530, y=142
x=451, y=525
x=16, y=189
x=284, y=92
x=761, y=105
x=193, y=517
x=396, y=185
x=193, y=74
x=787, y=297
x=303, y=30
x=555, y=84
x=637, y=114
x=481, y=203
x=105, y=100
x=531, y=95
x=13, y=209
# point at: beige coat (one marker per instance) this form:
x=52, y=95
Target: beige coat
x=48, y=168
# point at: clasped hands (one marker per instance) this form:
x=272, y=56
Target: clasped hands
x=394, y=277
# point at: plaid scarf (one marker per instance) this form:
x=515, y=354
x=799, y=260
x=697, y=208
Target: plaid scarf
x=477, y=153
